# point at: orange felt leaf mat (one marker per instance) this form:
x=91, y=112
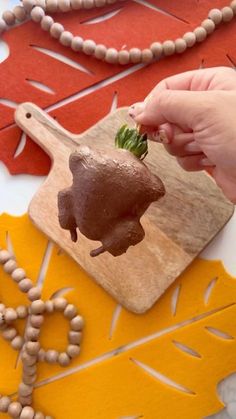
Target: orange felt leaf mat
x=163, y=364
x=34, y=70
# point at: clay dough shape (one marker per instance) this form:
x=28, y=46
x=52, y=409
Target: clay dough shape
x=111, y=190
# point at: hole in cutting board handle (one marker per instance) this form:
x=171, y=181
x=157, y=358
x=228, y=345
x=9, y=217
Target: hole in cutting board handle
x=28, y=115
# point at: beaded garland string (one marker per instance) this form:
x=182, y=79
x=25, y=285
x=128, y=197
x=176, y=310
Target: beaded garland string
x=37, y=10
x=29, y=345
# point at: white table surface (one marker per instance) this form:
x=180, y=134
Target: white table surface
x=17, y=191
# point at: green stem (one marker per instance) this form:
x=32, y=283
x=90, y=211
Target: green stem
x=131, y=139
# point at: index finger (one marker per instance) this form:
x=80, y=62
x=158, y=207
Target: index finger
x=193, y=80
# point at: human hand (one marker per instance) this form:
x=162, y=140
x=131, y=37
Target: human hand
x=194, y=115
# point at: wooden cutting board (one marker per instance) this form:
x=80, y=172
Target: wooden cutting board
x=177, y=227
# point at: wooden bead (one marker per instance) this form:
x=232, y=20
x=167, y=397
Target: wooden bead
x=10, y=315
x=88, y=4
x=14, y=409
x=28, y=5
x=39, y=415
x=41, y=3
x=34, y=293
x=100, y=3
x=29, y=379
x=4, y=256
x=168, y=47
x=25, y=401
x=56, y=30
x=27, y=413
x=17, y=343
x=77, y=43
x=27, y=359
x=9, y=17
x=3, y=27
x=123, y=57
x=135, y=55
x=73, y=351
x=157, y=49
x=37, y=307
x=10, y=266
x=66, y=38
x=25, y=285
x=60, y=304
x=37, y=14
x=75, y=337
x=46, y=23
x=70, y=311
x=22, y=312
x=111, y=56
x=29, y=370
x=49, y=306
x=76, y=4
x=89, y=47
x=3, y=326
x=64, y=5
x=147, y=56
x=100, y=51
x=4, y=403
x=20, y=13
x=216, y=16
x=9, y=334
x=32, y=333
x=41, y=355
x=52, y=6
x=25, y=390
x=180, y=45
x=208, y=25
x=233, y=6
x=200, y=33
x=2, y=320
x=18, y=274
x=64, y=359
x=51, y=356
x=32, y=348
x=227, y=14
x=36, y=321
x=190, y=39
x=77, y=323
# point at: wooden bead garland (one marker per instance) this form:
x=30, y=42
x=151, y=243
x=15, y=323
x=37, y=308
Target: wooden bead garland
x=37, y=10
x=30, y=349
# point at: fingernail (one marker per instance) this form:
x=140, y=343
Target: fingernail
x=149, y=97
x=136, y=109
x=206, y=162
x=162, y=137
x=192, y=147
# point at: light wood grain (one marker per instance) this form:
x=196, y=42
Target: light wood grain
x=177, y=227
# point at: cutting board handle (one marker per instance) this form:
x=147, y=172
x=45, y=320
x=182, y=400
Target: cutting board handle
x=43, y=129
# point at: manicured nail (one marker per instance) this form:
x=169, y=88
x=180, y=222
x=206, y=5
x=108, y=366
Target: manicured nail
x=136, y=109
x=192, y=147
x=148, y=98
x=206, y=162
x=163, y=138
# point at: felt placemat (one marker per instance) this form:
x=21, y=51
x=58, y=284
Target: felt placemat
x=166, y=363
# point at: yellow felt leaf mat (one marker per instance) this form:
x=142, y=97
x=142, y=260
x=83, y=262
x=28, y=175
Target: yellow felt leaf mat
x=203, y=297
x=121, y=387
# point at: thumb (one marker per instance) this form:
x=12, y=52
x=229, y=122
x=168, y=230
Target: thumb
x=183, y=108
